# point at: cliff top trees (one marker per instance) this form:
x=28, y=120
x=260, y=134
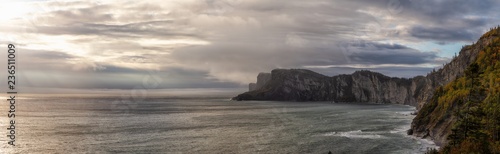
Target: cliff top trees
x=472, y=102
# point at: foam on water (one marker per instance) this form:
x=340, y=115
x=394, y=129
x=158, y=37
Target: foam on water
x=355, y=134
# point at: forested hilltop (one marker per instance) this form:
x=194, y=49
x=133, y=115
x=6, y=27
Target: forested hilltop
x=464, y=115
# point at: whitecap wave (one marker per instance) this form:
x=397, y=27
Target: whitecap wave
x=424, y=145
x=403, y=130
x=355, y=134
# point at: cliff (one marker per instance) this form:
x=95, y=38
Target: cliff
x=459, y=102
x=306, y=85
x=466, y=109
x=361, y=86
x=262, y=79
x=449, y=72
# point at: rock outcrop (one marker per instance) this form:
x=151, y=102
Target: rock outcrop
x=449, y=72
x=361, y=86
x=262, y=79
x=252, y=86
x=437, y=117
x=433, y=121
x=306, y=85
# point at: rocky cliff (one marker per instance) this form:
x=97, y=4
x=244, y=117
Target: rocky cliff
x=439, y=96
x=252, y=86
x=262, y=79
x=361, y=86
x=306, y=85
x=449, y=72
x=456, y=91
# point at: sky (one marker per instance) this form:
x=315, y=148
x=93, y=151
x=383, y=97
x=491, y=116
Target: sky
x=218, y=44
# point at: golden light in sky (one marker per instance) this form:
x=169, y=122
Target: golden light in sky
x=11, y=10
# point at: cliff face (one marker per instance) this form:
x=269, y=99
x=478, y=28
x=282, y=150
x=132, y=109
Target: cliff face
x=451, y=71
x=439, y=95
x=366, y=86
x=292, y=85
x=361, y=86
x=262, y=79
x=252, y=86
x=306, y=85
x=455, y=93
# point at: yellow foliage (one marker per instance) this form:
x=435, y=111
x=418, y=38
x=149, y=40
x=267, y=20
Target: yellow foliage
x=453, y=96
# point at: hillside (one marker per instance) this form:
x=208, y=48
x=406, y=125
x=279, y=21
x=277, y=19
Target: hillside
x=464, y=115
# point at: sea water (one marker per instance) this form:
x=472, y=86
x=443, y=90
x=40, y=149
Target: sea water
x=206, y=125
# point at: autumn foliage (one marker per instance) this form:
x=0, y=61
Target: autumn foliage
x=472, y=101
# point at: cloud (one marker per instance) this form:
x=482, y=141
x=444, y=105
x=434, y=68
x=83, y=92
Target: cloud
x=376, y=53
x=225, y=43
x=405, y=72
x=441, y=34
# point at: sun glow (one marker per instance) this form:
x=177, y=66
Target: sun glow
x=10, y=10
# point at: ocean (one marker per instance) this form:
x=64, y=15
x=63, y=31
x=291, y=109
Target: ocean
x=106, y=124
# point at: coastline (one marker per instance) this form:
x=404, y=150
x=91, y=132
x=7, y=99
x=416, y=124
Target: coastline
x=423, y=144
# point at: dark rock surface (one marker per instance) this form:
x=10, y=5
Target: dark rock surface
x=306, y=85
x=361, y=86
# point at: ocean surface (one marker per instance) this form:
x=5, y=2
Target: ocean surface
x=206, y=125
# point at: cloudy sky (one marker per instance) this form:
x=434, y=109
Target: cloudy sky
x=167, y=44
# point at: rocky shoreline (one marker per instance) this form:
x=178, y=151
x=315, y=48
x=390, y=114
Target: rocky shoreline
x=366, y=86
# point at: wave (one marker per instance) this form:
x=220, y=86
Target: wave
x=423, y=145
x=355, y=134
x=403, y=129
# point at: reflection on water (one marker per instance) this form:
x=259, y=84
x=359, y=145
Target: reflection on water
x=94, y=125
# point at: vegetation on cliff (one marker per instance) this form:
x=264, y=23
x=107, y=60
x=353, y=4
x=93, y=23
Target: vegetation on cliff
x=467, y=110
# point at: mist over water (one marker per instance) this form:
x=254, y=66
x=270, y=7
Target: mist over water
x=189, y=125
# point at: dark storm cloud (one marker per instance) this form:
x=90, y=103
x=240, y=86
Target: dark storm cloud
x=393, y=58
x=441, y=34
x=378, y=46
x=436, y=20
x=376, y=53
x=445, y=10
x=405, y=72
x=447, y=20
